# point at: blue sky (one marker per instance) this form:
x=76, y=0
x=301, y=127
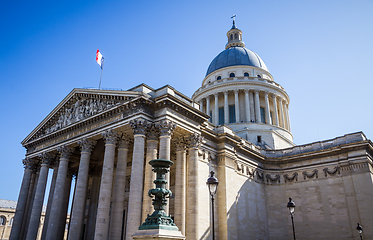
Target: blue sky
x=321, y=52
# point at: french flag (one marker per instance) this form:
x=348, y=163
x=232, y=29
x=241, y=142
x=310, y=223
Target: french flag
x=100, y=59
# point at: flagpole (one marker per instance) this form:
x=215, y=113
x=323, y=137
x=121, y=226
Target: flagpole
x=99, y=86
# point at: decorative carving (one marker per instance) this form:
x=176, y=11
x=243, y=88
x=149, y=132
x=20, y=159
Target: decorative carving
x=294, y=177
x=167, y=127
x=276, y=178
x=194, y=140
x=337, y=169
x=29, y=164
x=139, y=126
x=65, y=151
x=153, y=131
x=259, y=175
x=110, y=136
x=312, y=175
x=47, y=159
x=249, y=172
x=180, y=144
x=124, y=141
x=80, y=110
x=87, y=145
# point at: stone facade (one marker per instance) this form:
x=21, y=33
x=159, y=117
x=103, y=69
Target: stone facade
x=105, y=138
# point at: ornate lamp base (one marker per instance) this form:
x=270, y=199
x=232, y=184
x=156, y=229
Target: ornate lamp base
x=159, y=234
x=159, y=220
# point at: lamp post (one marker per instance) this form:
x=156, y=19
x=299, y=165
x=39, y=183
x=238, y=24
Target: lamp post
x=212, y=183
x=291, y=207
x=359, y=229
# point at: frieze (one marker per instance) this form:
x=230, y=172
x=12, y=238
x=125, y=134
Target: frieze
x=292, y=178
x=336, y=170
x=315, y=173
x=80, y=110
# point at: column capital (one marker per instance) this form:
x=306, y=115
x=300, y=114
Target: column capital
x=266, y=93
x=194, y=140
x=256, y=90
x=273, y=95
x=47, y=159
x=180, y=144
x=124, y=141
x=86, y=145
x=153, y=131
x=64, y=151
x=216, y=94
x=139, y=126
x=166, y=127
x=246, y=90
x=225, y=92
x=236, y=90
x=110, y=136
x=29, y=164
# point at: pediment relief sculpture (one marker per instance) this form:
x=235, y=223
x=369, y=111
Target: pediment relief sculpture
x=81, y=109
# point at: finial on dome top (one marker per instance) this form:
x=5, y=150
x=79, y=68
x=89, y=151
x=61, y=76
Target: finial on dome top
x=234, y=21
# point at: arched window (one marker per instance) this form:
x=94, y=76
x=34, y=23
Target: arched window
x=259, y=76
x=11, y=222
x=232, y=75
x=231, y=36
x=235, y=36
x=246, y=74
x=218, y=78
x=2, y=220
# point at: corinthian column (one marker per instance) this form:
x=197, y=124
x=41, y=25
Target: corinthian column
x=59, y=192
x=180, y=184
x=275, y=109
x=237, y=105
x=116, y=220
x=208, y=107
x=78, y=210
x=258, y=118
x=267, y=110
x=137, y=174
x=216, y=109
x=103, y=209
x=39, y=197
x=151, y=153
x=192, y=193
x=247, y=104
x=226, y=108
x=22, y=200
x=282, y=117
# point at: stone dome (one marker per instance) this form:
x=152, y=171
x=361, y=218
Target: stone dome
x=234, y=56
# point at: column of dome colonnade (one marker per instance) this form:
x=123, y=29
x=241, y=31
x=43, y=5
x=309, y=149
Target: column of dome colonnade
x=279, y=112
x=30, y=166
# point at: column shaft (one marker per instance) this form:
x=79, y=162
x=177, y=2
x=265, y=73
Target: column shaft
x=22, y=201
x=180, y=187
x=226, y=108
x=258, y=117
x=30, y=201
x=208, y=107
x=136, y=186
x=58, y=194
x=267, y=110
x=103, y=209
x=287, y=117
x=78, y=210
x=282, y=114
x=151, y=153
x=237, y=106
x=201, y=105
x=50, y=202
x=116, y=221
x=216, y=109
x=275, y=110
x=247, y=104
x=64, y=208
x=38, y=201
x=93, y=203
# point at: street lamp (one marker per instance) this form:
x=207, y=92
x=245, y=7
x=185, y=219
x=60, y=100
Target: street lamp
x=291, y=207
x=359, y=229
x=212, y=183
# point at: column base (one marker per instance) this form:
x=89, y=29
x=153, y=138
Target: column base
x=159, y=234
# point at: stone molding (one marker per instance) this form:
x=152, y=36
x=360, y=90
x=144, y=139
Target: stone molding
x=110, y=136
x=86, y=145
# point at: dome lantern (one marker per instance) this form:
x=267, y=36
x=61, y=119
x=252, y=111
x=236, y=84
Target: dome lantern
x=234, y=36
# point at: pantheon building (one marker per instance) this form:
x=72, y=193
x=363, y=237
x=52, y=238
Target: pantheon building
x=236, y=124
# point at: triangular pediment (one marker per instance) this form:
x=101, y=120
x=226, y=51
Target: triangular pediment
x=79, y=105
